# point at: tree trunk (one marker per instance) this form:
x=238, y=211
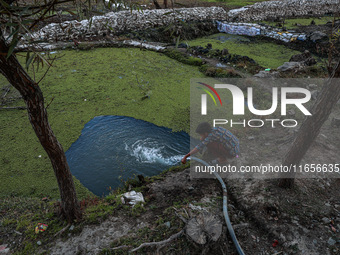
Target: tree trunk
x=157, y=4
x=310, y=128
x=165, y=4
x=37, y=114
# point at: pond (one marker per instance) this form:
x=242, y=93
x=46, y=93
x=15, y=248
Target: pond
x=112, y=149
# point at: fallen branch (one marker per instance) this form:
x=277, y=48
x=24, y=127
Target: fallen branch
x=13, y=108
x=181, y=217
x=171, y=238
x=120, y=247
x=242, y=225
x=63, y=230
x=6, y=91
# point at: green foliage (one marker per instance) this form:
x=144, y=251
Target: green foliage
x=138, y=209
x=183, y=58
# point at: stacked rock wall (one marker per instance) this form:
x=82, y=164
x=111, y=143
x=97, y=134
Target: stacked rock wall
x=114, y=23
x=284, y=9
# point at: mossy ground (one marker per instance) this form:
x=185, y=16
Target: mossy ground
x=266, y=54
x=113, y=82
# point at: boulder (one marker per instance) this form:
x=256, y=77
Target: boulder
x=335, y=122
x=266, y=74
x=289, y=66
x=317, y=36
x=306, y=58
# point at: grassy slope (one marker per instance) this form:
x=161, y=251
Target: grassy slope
x=107, y=79
x=267, y=54
x=236, y=3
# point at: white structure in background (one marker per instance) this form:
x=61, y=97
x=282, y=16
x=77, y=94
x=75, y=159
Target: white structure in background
x=250, y=29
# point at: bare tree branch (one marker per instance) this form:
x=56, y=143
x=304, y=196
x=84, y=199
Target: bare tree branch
x=171, y=238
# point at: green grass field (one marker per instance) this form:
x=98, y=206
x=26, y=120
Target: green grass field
x=267, y=54
x=113, y=82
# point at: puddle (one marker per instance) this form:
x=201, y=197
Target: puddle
x=115, y=148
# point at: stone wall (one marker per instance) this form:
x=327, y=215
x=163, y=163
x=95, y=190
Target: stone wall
x=284, y=9
x=114, y=23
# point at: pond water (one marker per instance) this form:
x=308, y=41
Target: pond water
x=112, y=149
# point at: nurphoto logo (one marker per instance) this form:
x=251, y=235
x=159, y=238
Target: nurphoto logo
x=280, y=96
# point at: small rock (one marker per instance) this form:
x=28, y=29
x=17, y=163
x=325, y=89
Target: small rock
x=315, y=94
x=312, y=86
x=288, y=66
x=291, y=112
x=335, y=122
x=266, y=74
x=251, y=137
x=331, y=241
x=315, y=242
x=317, y=36
x=183, y=45
x=305, y=58
x=39, y=243
x=225, y=52
x=325, y=220
x=71, y=228
x=327, y=204
x=168, y=224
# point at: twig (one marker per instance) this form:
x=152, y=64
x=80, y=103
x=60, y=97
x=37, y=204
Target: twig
x=186, y=212
x=63, y=230
x=242, y=225
x=159, y=243
x=48, y=68
x=181, y=217
x=6, y=91
x=50, y=103
x=13, y=108
x=50, y=5
x=120, y=247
